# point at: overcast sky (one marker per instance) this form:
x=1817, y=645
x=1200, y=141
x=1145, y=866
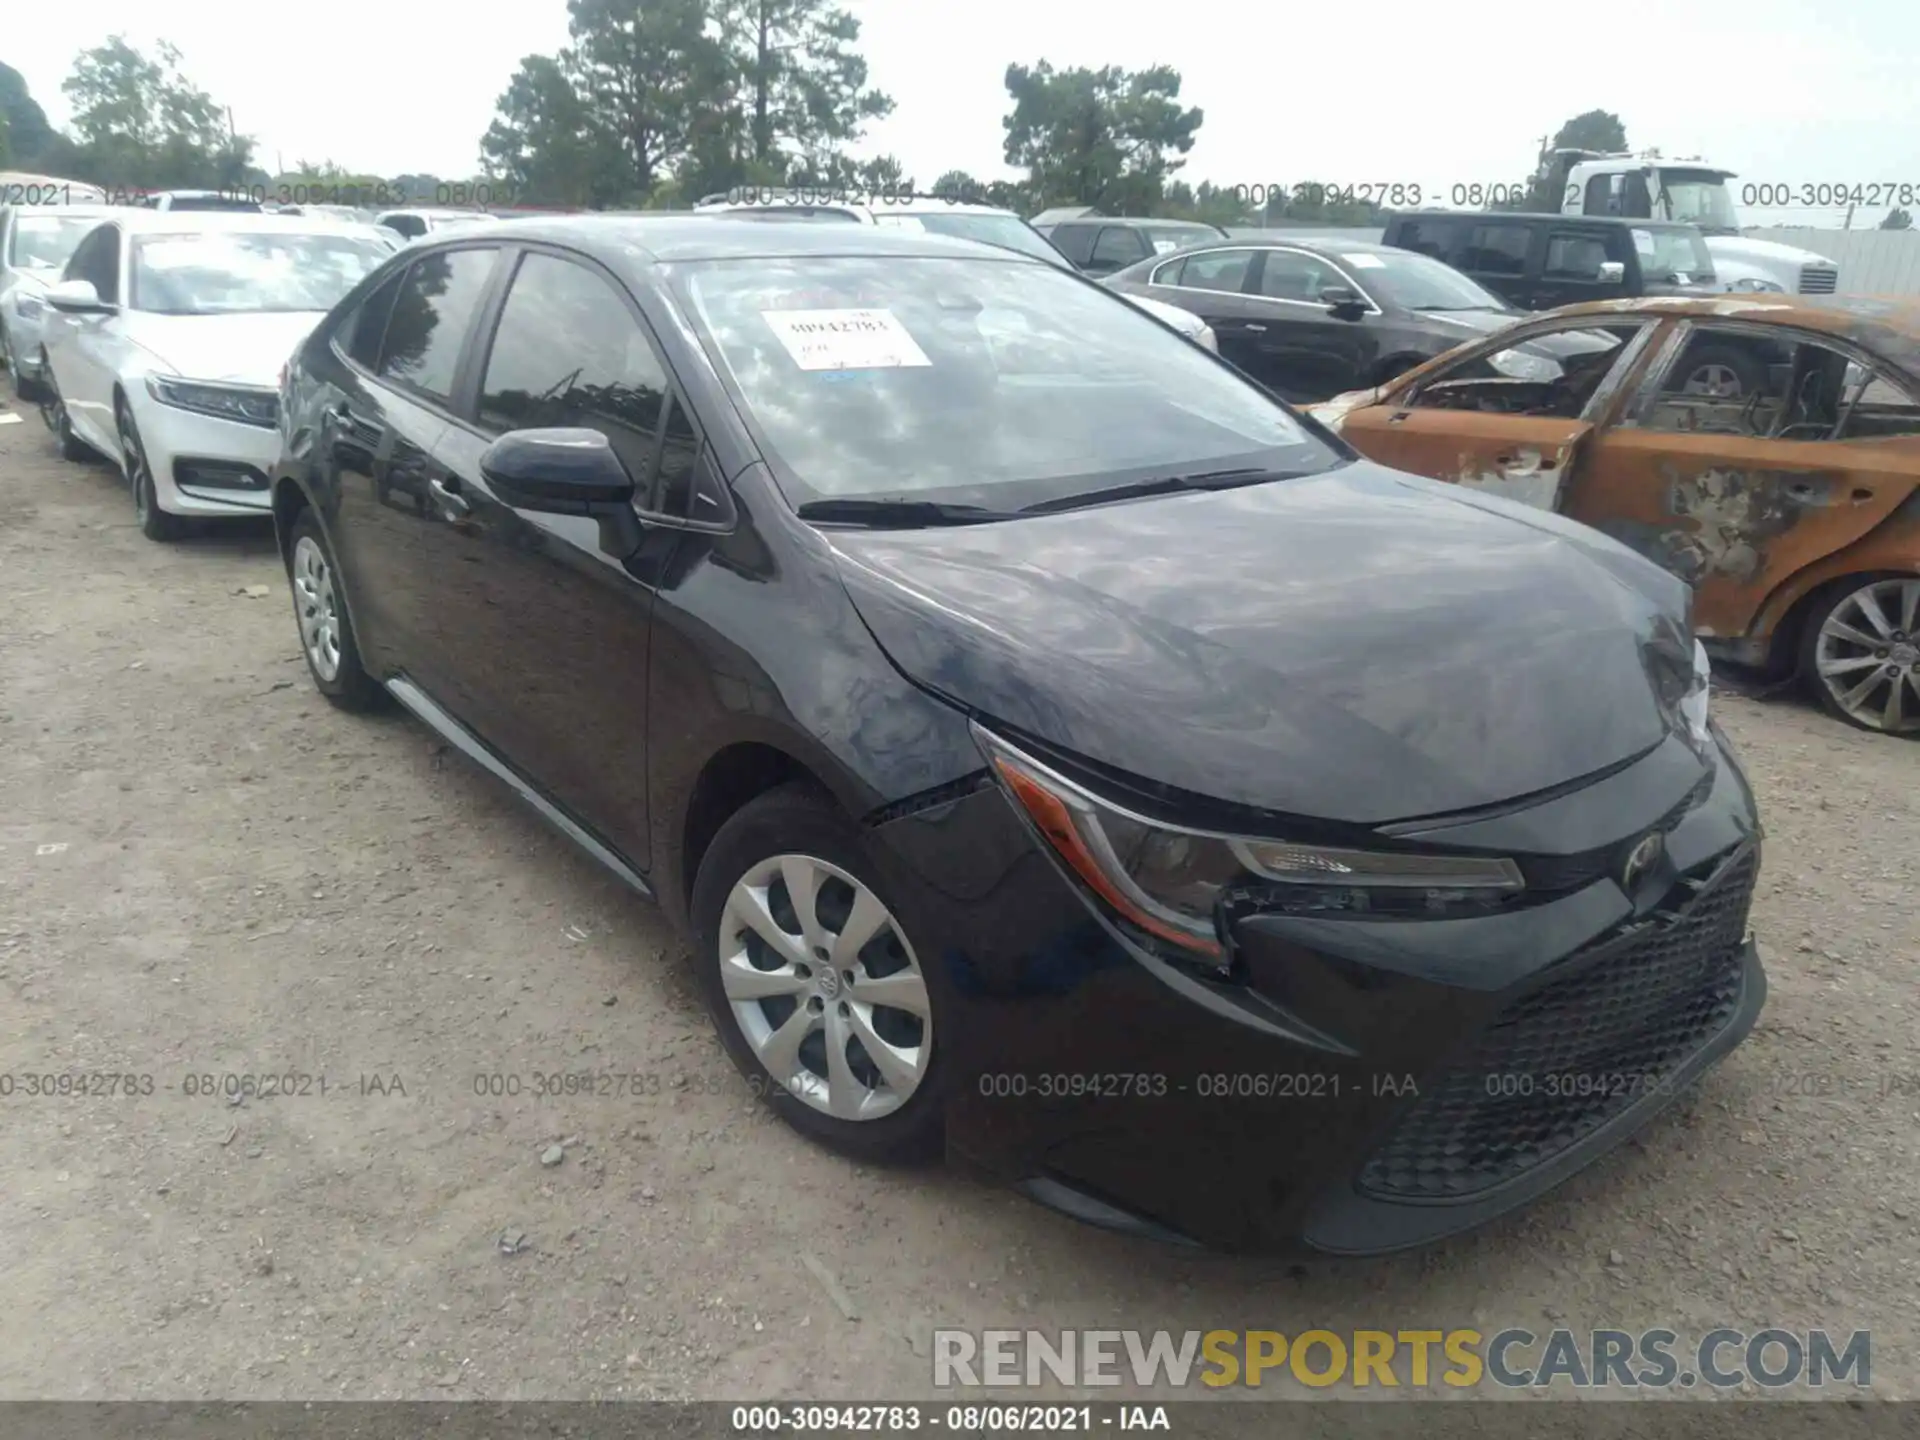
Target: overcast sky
x=1401, y=91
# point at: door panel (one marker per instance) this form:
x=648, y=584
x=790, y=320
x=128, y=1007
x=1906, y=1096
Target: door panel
x=1521, y=457
x=545, y=637
x=1736, y=516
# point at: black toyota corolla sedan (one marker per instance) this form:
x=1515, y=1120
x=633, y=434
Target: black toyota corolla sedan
x=1054, y=747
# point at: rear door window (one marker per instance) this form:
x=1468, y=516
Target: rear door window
x=1118, y=246
x=1496, y=249
x=1427, y=237
x=1216, y=270
x=1075, y=241
x=368, y=327
x=1574, y=255
x=433, y=310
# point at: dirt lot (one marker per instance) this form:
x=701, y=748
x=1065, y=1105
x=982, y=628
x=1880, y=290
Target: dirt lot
x=206, y=871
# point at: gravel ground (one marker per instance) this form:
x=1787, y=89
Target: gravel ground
x=205, y=870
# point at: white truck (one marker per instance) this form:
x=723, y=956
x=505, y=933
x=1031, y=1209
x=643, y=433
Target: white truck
x=1691, y=191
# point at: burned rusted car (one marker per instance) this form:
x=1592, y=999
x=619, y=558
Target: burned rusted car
x=1767, y=451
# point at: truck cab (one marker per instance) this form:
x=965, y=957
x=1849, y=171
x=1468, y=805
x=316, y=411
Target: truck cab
x=1693, y=192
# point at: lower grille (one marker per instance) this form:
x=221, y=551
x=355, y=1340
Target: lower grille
x=1561, y=1062
x=217, y=475
x=1818, y=280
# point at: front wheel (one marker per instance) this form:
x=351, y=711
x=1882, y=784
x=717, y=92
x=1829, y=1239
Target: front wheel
x=814, y=979
x=155, y=523
x=1861, y=653
x=53, y=410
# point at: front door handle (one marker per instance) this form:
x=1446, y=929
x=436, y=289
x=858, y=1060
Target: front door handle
x=451, y=500
x=1256, y=329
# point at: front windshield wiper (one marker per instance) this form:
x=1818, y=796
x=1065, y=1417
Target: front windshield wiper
x=899, y=514
x=1165, y=485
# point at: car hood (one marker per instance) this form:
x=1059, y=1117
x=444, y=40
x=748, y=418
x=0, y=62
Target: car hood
x=1359, y=646
x=1185, y=321
x=242, y=349
x=1739, y=247
x=1458, y=326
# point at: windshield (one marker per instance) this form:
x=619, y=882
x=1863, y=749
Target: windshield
x=226, y=272
x=1699, y=197
x=1419, y=282
x=43, y=242
x=1009, y=232
x=989, y=382
x=441, y=222
x=1667, y=254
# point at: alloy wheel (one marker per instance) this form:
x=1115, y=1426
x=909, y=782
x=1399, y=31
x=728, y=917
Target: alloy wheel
x=825, y=988
x=1867, y=656
x=1713, y=382
x=318, y=608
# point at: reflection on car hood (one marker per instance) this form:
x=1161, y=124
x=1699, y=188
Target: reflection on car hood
x=243, y=349
x=1467, y=324
x=1359, y=646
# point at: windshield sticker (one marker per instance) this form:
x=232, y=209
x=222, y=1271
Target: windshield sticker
x=1365, y=262
x=845, y=339
x=1161, y=247
x=1643, y=241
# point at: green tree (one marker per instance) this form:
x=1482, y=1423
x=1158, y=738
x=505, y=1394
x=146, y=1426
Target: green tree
x=29, y=136
x=1897, y=220
x=1109, y=137
x=797, y=77
x=640, y=67
x=958, y=185
x=544, y=142
x=139, y=121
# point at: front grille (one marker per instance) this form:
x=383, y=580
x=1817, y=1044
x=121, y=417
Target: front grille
x=1562, y=1061
x=1818, y=280
x=1574, y=872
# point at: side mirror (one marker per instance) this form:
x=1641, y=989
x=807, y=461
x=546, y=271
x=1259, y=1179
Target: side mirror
x=562, y=472
x=78, y=297
x=1612, y=272
x=1338, y=298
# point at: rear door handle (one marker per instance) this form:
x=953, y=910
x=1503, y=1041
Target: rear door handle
x=451, y=500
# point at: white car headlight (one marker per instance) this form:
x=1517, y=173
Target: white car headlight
x=1518, y=365
x=1754, y=284
x=243, y=404
x=1170, y=883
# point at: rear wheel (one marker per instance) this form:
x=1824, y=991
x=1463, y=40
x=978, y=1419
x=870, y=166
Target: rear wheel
x=326, y=632
x=155, y=523
x=53, y=410
x=1860, y=652
x=814, y=980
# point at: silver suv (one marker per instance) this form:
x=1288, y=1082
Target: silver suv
x=937, y=215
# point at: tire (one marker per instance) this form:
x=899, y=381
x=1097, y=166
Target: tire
x=1727, y=372
x=1851, y=666
x=54, y=411
x=320, y=615
x=796, y=823
x=24, y=390
x=155, y=523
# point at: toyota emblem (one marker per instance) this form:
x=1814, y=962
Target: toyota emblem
x=1640, y=860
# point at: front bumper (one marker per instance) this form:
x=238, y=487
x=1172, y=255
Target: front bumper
x=1378, y=1084
x=203, y=465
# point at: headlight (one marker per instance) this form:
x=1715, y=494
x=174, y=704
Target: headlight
x=1208, y=339
x=246, y=404
x=1693, y=705
x=31, y=307
x=1518, y=365
x=1169, y=882
x=1753, y=284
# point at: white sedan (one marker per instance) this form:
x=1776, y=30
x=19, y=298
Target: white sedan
x=164, y=342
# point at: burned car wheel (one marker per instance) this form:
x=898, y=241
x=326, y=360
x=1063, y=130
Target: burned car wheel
x=811, y=978
x=1861, y=653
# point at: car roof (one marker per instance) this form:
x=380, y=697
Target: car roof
x=1145, y=222
x=1889, y=326
x=641, y=240
x=139, y=220
x=1542, y=217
